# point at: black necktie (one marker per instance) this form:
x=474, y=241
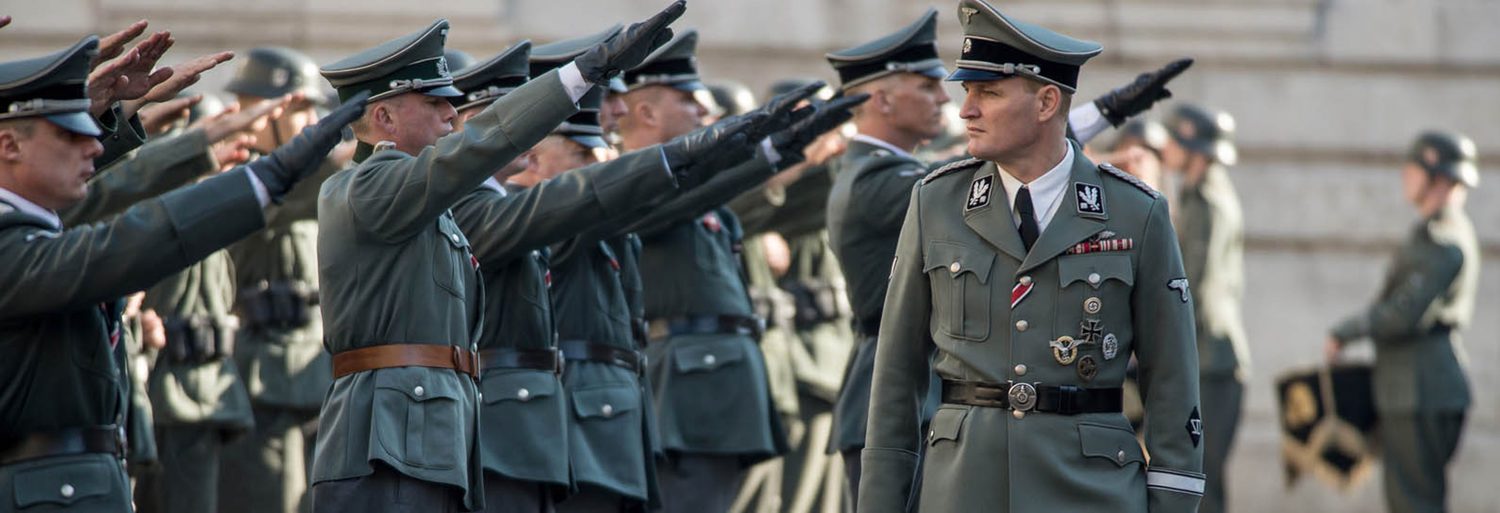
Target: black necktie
x=1029, y=230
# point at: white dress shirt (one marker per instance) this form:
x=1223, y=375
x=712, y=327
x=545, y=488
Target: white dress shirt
x=1046, y=190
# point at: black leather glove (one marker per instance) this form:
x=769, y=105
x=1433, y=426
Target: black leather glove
x=627, y=48
x=724, y=140
x=781, y=111
x=1134, y=98
x=300, y=157
x=818, y=120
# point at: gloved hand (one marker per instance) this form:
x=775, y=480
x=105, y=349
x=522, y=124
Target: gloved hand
x=782, y=112
x=1134, y=98
x=726, y=139
x=629, y=47
x=300, y=157
x=820, y=118
x=776, y=115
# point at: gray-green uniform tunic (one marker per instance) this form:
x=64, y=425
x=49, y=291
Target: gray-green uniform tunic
x=1421, y=392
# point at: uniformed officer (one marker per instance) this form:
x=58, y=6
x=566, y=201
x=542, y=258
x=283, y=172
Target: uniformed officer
x=1211, y=232
x=64, y=388
x=702, y=328
x=279, y=348
x=404, y=345
x=1421, y=392
x=1029, y=276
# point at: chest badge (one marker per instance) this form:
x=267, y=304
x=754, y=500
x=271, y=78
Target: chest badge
x=1090, y=199
x=979, y=192
x=1064, y=350
x=1181, y=286
x=1110, y=347
x=712, y=223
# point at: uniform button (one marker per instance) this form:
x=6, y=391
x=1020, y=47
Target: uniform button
x=419, y=391
x=1018, y=414
x=1120, y=456
x=954, y=267
x=1021, y=325
x=607, y=410
x=931, y=435
x=1094, y=278
x=1020, y=369
x=523, y=394
x=709, y=359
x=453, y=237
x=67, y=491
x=1025, y=280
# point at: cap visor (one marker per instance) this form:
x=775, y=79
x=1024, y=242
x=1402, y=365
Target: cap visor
x=447, y=91
x=590, y=141
x=617, y=86
x=938, y=72
x=80, y=123
x=689, y=86
x=975, y=75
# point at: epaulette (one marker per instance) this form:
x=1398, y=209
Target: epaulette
x=1110, y=169
x=956, y=166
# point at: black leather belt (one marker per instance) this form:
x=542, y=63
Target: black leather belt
x=537, y=359
x=1059, y=399
x=64, y=442
x=583, y=350
x=708, y=324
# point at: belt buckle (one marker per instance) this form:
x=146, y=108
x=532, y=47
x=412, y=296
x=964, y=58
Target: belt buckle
x=120, y=442
x=640, y=364
x=1022, y=396
x=458, y=362
x=560, y=361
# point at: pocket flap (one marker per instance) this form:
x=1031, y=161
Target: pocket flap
x=1112, y=443
x=605, y=402
x=946, y=424
x=704, y=356
x=419, y=383
x=518, y=385
x=1084, y=267
x=62, y=483
x=449, y=231
x=958, y=259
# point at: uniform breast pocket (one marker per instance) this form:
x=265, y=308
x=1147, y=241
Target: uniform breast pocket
x=419, y=418
x=450, y=257
x=961, y=295
x=1091, y=281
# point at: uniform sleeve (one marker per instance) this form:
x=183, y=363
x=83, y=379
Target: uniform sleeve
x=82, y=266
x=505, y=227
x=881, y=188
x=1403, y=311
x=301, y=203
x=723, y=187
x=901, y=376
x=119, y=136
x=159, y=166
x=396, y=199
x=1167, y=350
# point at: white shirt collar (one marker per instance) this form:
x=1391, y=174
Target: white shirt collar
x=1046, y=190
x=24, y=205
x=492, y=183
x=872, y=141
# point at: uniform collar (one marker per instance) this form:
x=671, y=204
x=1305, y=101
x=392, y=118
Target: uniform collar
x=26, y=206
x=878, y=143
x=1046, y=190
x=492, y=183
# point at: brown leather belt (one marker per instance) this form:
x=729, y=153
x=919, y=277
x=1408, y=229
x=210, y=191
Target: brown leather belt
x=63, y=442
x=535, y=359
x=456, y=358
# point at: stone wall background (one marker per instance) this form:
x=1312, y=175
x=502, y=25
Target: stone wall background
x=1327, y=94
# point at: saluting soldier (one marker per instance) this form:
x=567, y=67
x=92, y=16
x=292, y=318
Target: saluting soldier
x=1211, y=232
x=63, y=386
x=1028, y=276
x=1421, y=391
x=279, y=349
x=401, y=294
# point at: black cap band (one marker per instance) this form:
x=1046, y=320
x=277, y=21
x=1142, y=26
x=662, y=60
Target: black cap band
x=994, y=56
x=895, y=61
x=663, y=72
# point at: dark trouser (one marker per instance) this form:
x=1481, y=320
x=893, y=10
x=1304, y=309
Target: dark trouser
x=1221, y=397
x=503, y=495
x=188, y=479
x=851, y=479
x=1418, y=447
x=590, y=499
x=385, y=491
x=267, y=469
x=700, y=483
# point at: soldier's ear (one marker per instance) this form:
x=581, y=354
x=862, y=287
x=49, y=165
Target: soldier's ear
x=10, y=143
x=1049, y=102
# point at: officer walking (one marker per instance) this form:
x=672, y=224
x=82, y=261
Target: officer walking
x=1211, y=234
x=1029, y=276
x=279, y=349
x=404, y=345
x=1421, y=391
x=63, y=386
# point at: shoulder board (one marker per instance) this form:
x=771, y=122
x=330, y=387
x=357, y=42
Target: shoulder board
x=1110, y=169
x=968, y=163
